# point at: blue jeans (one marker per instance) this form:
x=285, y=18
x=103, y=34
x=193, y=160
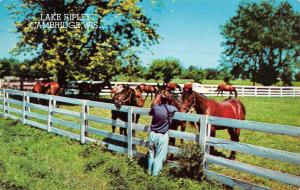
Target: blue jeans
x=158, y=149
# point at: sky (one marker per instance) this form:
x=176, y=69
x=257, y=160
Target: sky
x=190, y=30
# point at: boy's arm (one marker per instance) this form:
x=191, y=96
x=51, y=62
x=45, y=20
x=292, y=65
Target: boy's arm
x=151, y=112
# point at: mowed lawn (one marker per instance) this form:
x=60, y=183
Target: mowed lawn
x=271, y=110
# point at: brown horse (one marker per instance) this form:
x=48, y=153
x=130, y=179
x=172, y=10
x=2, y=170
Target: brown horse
x=170, y=86
x=51, y=88
x=226, y=87
x=149, y=89
x=95, y=88
x=117, y=89
x=130, y=97
x=229, y=108
x=176, y=103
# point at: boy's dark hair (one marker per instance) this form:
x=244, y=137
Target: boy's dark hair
x=165, y=96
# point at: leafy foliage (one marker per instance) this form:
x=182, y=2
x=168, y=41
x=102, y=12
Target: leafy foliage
x=84, y=53
x=6, y=66
x=191, y=160
x=134, y=71
x=261, y=40
x=297, y=76
x=197, y=74
x=164, y=69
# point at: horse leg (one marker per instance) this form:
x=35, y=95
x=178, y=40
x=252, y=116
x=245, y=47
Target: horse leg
x=113, y=117
x=183, y=125
x=212, y=134
x=234, y=136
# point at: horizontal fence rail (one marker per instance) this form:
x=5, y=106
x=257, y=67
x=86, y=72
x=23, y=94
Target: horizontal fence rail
x=208, y=90
x=20, y=105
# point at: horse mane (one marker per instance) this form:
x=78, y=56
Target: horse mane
x=133, y=96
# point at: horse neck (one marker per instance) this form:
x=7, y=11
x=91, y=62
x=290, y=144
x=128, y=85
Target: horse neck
x=176, y=103
x=202, y=103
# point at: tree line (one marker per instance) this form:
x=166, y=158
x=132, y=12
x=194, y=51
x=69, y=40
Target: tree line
x=160, y=69
x=261, y=43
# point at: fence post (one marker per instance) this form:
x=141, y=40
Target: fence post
x=49, y=114
x=27, y=99
x=129, y=132
x=211, y=90
x=203, y=137
x=255, y=91
x=23, y=107
x=281, y=92
x=293, y=93
x=4, y=102
x=243, y=89
x=269, y=91
x=83, y=122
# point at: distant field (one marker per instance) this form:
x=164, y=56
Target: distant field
x=216, y=82
x=271, y=110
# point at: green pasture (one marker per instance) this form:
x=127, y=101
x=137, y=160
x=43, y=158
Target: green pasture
x=270, y=110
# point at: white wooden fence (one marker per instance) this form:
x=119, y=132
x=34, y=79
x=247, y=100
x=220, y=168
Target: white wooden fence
x=17, y=105
x=210, y=90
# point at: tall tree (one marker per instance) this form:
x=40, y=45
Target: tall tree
x=119, y=27
x=261, y=40
x=6, y=66
x=164, y=69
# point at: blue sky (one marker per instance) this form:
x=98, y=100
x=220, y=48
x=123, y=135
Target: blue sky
x=190, y=30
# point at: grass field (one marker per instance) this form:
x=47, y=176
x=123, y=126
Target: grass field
x=33, y=159
x=270, y=110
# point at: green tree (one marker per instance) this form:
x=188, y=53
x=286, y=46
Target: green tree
x=6, y=66
x=260, y=40
x=134, y=71
x=297, y=76
x=198, y=75
x=164, y=69
x=83, y=52
x=286, y=76
x=211, y=74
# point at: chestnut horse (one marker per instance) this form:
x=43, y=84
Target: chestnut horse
x=117, y=89
x=95, y=88
x=176, y=103
x=148, y=89
x=130, y=97
x=226, y=87
x=229, y=108
x=51, y=88
x=170, y=86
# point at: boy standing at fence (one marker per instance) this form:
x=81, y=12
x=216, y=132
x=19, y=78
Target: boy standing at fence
x=158, y=136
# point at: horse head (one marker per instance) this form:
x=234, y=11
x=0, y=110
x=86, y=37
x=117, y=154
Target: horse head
x=128, y=96
x=188, y=100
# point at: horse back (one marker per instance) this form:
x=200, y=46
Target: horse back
x=232, y=108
